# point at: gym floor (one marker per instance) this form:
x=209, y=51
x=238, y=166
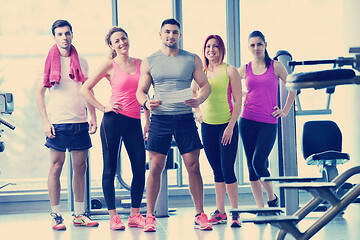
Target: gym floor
x=178, y=226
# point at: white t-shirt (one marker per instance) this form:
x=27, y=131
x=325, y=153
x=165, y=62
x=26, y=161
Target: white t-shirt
x=66, y=105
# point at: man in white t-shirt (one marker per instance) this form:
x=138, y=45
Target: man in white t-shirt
x=65, y=121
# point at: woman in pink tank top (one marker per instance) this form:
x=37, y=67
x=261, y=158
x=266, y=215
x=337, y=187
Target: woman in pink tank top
x=121, y=123
x=260, y=114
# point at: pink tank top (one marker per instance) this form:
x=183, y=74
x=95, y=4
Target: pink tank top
x=262, y=95
x=123, y=90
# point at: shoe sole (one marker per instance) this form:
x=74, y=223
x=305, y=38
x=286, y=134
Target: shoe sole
x=150, y=229
x=235, y=225
x=116, y=229
x=135, y=226
x=59, y=229
x=204, y=228
x=219, y=222
x=83, y=225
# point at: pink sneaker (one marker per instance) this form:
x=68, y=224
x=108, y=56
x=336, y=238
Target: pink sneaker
x=137, y=221
x=150, y=224
x=202, y=222
x=218, y=218
x=116, y=224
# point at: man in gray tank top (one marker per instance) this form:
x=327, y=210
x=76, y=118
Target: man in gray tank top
x=171, y=71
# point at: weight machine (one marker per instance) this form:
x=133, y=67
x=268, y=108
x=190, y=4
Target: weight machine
x=6, y=107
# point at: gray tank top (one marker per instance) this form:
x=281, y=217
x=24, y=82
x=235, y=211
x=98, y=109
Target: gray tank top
x=171, y=74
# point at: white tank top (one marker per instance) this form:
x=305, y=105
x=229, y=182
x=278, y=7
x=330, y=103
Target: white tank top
x=66, y=105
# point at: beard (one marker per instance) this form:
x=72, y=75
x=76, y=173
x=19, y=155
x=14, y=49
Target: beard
x=172, y=45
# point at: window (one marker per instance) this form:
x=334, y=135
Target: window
x=25, y=30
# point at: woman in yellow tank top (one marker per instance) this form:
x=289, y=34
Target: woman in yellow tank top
x=218, y=116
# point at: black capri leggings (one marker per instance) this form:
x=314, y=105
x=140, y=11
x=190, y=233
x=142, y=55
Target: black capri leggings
x=113, y=128
x=258, y=140
x=221, y=158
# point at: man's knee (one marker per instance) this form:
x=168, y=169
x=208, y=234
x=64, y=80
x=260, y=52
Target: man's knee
x=79, y=161
x=57, y=163
x=79, y=168
x=156, y=168
x=193, y=167
x=157, y=163
x=191, y=161
x=56, y=169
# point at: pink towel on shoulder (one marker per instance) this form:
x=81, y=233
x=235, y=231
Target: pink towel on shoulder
x=52, y=71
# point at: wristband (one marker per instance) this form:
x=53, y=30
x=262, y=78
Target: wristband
x=144, y=105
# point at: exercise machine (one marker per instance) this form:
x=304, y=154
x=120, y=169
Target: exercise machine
x=6, y=107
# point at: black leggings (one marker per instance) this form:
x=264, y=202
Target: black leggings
x=258, y=140
x=221, y=158
x=113, y=128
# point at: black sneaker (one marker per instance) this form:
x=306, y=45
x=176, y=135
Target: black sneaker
x=274, y=203
x=235, y=223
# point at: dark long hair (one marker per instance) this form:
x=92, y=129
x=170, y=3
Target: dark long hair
x=260, y=35
x=222, y=50
x=108, y=36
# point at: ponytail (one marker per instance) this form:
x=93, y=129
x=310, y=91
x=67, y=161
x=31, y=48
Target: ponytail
x=267, y=59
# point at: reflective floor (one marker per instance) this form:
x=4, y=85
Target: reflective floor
x=178, y=226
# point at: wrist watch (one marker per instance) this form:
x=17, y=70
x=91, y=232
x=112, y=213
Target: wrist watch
x=144, y=105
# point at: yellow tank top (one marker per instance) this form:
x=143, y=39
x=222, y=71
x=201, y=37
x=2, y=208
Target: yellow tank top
x=217, y=108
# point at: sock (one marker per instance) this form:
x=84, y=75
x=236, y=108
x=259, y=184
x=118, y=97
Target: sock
x=150, y=214
x=79, y=208
x=56, y=209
